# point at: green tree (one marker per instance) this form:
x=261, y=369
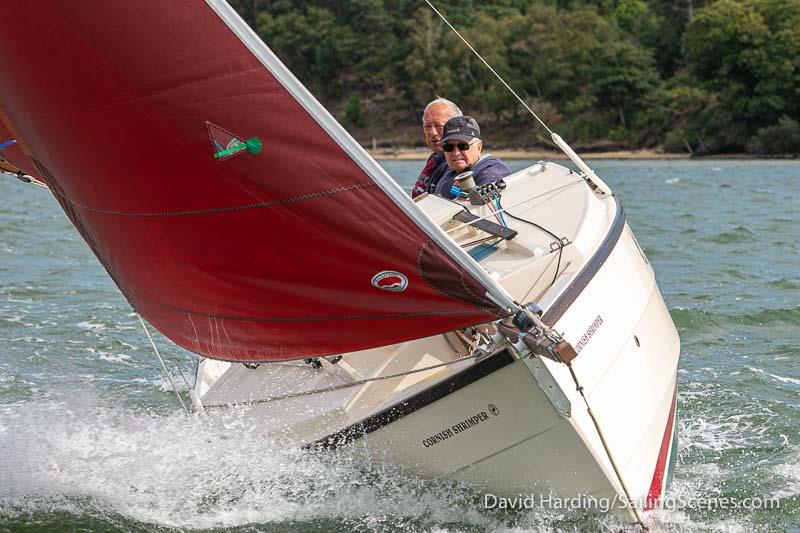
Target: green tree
x=748, y=51
x=426, y=66
x=306, y=40
x=638, y=22
x=352, y=113
x=782, y=138
x=698, y=75
x=673, y=17
x=622, y=76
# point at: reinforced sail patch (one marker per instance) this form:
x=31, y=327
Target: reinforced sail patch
x=227, y=145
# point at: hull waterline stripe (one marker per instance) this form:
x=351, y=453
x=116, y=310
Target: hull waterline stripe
x=431, y=394
x=442, y=389
x=657, y=484
x=568, y=297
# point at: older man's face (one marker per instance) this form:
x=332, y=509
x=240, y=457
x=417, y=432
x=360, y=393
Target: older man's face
x=432, y=124
x=460, y=160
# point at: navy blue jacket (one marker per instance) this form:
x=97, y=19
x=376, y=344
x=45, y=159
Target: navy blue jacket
x=435, y=166
x=486, y=170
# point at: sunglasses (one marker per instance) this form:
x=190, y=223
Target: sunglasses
x=461, y=146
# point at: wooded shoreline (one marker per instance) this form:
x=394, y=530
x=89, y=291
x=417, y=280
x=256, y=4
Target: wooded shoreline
x=702, y=77
x=414, y=154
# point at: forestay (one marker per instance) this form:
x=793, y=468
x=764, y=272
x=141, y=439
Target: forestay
x=138, y=113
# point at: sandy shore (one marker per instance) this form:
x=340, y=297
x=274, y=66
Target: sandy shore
x=413, y=154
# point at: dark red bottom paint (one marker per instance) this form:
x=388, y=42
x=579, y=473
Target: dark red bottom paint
x=661, y=464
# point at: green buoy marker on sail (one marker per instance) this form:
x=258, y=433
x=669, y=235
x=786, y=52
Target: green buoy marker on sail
x=227, y=144
x=252, y=145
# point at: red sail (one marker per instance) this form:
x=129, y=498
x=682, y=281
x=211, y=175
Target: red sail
x=300, y=249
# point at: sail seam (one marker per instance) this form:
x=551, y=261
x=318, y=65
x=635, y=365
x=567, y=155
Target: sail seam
x=422, y=272
x=287, y=320
x=463, y=281
x=223, y=210
x=469, y=291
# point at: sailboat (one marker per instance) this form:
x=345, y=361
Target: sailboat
x=515, y=340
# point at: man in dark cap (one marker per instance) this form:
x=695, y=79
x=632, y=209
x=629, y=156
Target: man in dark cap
x=462, y=146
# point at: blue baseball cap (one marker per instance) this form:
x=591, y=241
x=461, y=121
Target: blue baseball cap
x=463, y=128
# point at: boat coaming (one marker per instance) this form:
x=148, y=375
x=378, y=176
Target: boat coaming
x=512, y=423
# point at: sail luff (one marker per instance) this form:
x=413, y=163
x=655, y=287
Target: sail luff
x=271, y=62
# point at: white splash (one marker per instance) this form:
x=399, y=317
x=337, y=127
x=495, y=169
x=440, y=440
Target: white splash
x=178, y=471
x=790, y=473
x=782, y=379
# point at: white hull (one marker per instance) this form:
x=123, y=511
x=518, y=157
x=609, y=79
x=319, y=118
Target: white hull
x=509, y=423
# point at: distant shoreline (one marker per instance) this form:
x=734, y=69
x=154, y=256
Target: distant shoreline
x=410, y=154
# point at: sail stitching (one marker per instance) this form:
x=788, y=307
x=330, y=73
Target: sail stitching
x=228, y=209
x=469, y=291
x=210, y=126
x=422, y=272
x=461, y=278
x=289, y=320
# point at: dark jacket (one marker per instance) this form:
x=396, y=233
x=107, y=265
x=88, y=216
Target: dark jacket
x=486, y=170
x=435, y=166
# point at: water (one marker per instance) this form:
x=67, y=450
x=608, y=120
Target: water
x=91, y=437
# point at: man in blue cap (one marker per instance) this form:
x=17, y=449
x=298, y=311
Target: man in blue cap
x=462, y=146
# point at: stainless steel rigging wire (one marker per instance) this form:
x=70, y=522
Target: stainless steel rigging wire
x=595, y=183
x=161, y=361
x=507, y=86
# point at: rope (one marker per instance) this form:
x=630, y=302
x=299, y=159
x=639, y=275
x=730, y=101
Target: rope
x=478, y=241
x=559, y=241
x=7, y=143
x=554, y=192
x=180, y=371
x=537, y=321
x=482, y=253
x=343, y=385
x=499, y=209
x=521, y=101
x=224, y=210
x=535, y=225
x=606, y=448
x=163, y=366
x=596, y=184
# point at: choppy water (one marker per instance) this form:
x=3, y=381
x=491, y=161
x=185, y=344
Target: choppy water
x=92, y=439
